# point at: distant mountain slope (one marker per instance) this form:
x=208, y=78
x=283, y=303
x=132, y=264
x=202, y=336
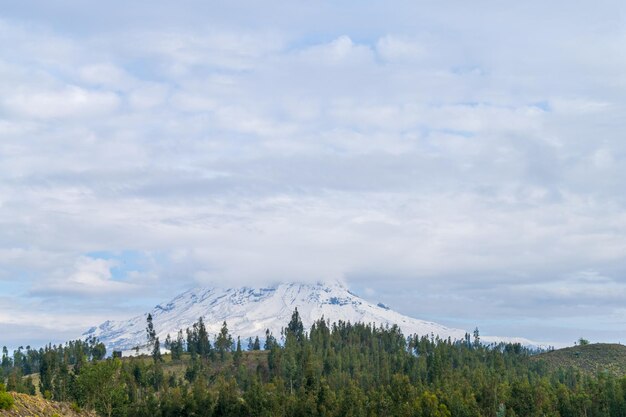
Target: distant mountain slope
x=29, y=405
x=596, y=357
x=249, y=311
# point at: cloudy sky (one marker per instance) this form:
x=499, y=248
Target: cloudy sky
x=460, y=161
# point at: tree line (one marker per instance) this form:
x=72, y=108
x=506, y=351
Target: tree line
x=331, y=369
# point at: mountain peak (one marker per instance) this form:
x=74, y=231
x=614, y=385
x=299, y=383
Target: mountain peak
x=249, y=311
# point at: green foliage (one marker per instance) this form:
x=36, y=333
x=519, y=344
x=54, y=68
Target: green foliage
x=295, y=330
x=224, y=341
x=595, y=358
x=338, y=369
x=6, y=401
x=153, y=341
x=102, y=386
x=6, y=364
x=75, y=407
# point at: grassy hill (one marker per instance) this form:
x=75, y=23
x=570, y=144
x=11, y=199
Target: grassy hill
x=596, y=357
x=28, y=405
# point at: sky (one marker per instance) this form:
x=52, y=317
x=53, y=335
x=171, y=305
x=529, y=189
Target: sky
x=462, y=162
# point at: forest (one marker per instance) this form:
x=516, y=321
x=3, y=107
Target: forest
x=331, y=369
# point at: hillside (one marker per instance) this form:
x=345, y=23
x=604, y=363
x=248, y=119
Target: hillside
x=592, y=358
x=28, y=405
x=340, y=370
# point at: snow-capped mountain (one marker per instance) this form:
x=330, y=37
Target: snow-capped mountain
x=250, y=311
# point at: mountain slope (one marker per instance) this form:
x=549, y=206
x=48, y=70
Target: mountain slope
x=30, y=405
x=249, y=311
x=597, y=357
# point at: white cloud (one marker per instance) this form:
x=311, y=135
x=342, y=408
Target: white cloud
x=183, y=52
x=105, y=74
x=68, y=102
x=578, y=106
x=394, y=48
x=452, y=157
x=340, y=51
x=87, y=277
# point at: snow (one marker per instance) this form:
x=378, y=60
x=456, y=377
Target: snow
x=250, y=311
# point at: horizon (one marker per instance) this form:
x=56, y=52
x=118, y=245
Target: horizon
x=213, y=327
x=462, y=163
x=534, y=344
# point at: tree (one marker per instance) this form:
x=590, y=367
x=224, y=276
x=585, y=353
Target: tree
x=153, y=341
x=156, y=351
x=430, y=406
x=47, y=371
x=339, y=369
x=102, y=387
x=5, y=366
x=295, y=329
x=176, y=347
x=583, y=341
x=150, y=332
x=476, y=342
x=203, y=343
x=224, y=341
x=270, y=340
x=99, y=351
x=6, y=400
x=238, y=353
x=94, y=348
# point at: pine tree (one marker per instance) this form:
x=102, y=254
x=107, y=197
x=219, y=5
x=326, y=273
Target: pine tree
x=476, y=342
x=156, y=351
x=238, y=353
x=270, y=340
x=204, y=345
x=7, y=363
x=177, y=346
x=224, y=341
x=150, y=332
x=295, y=329
x=153, y=341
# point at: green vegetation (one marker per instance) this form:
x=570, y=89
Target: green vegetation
x=6, y=399
x=338, y=369
x=596, y=358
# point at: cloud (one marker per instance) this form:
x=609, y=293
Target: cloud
x=69, y=102
x=450, y=152
x=393, y=49
x=88, y=277
x=105, y=74
x=182, y=53
x=340, y=51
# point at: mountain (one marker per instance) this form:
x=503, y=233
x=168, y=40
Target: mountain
x=250, y=311
x=597, y=357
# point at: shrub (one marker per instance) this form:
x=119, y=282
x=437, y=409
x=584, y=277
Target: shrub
x=6, y=401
